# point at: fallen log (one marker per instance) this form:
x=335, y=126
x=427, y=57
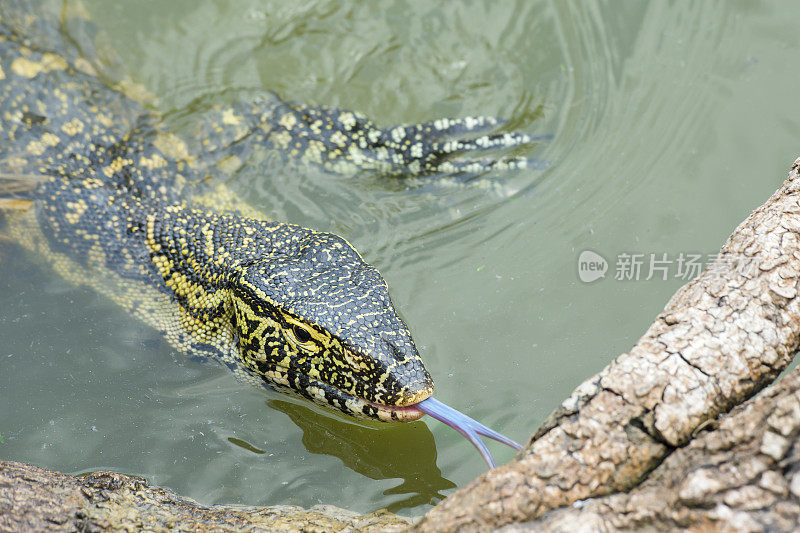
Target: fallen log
x=35, y=499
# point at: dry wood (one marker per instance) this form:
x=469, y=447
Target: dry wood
x=34, y=499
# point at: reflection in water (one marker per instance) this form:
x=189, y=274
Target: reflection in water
x=246, y=445
x=404, y=451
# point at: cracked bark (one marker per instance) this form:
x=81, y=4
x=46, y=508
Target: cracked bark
x=720, y=339
x=35, y=499
x=646, y=443
x=743, y=475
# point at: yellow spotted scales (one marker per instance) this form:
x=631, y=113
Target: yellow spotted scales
x=90, y=182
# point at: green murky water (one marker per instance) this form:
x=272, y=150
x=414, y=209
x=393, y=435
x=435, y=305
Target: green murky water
x=671, y=121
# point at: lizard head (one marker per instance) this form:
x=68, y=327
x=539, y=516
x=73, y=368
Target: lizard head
x=317, y=319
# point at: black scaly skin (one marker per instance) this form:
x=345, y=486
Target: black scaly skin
x=117, y=206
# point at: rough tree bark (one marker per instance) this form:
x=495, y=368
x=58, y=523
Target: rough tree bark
x=645, y=443
x=743, y=475
x=34, y=499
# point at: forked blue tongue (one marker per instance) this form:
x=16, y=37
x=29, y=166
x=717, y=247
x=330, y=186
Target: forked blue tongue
x=471, y=429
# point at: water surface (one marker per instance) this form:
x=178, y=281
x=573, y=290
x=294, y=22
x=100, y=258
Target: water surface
x=671, y=122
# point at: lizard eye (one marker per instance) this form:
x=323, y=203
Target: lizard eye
x=301, y=334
